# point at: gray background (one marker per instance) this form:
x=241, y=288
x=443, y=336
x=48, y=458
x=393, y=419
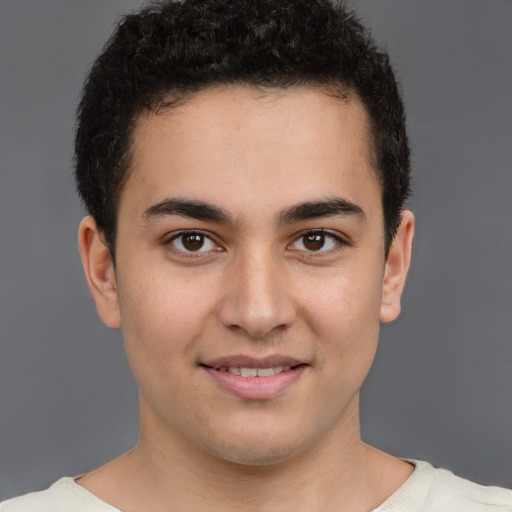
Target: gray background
x=441, y=387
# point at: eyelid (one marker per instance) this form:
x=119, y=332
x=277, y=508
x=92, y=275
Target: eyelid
x=171, y=237
x=340, y=240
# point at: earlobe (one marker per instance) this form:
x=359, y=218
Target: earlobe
x=99, y=271
x=397, y=266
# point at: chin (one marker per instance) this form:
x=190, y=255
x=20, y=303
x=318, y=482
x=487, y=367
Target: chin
x=262, y=440
x=262, y=456
x=262, y=449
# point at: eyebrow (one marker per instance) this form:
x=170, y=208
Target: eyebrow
x=316, y=209
x=202, y=210
x=199, y=210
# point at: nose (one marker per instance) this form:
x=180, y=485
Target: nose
x=257, y=298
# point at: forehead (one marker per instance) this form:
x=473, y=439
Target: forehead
x=254, y=142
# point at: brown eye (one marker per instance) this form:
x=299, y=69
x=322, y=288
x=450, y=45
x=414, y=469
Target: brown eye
x=314, y=241
x=193, y=241
x=318, y=241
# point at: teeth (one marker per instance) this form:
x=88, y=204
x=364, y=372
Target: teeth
x=249, y=372
x=255, y=372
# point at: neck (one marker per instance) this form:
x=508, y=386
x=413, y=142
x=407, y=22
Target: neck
x=164, y=473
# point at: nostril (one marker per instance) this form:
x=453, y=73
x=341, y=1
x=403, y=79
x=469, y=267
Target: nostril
x=258, y=304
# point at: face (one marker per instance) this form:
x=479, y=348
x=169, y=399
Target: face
x=250, y=271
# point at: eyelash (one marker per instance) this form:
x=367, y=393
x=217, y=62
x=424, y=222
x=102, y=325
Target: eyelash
x=190, y=233
x=338, y=242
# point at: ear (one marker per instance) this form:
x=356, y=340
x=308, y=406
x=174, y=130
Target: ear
x=99, y=271
x=397, y=266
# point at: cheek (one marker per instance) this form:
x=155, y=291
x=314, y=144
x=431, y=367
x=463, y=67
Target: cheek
x=162, y=315
x=163, y=319
x=344, y=316
x=344, y=304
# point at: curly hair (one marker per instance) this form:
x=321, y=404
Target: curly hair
x=168, y=51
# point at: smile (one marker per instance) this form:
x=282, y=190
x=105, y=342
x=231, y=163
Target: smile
x=254, y=372
x=255, y=379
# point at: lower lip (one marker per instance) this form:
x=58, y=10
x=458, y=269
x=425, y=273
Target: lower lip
x=256, y=388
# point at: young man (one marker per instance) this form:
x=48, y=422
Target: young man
x=245, y=167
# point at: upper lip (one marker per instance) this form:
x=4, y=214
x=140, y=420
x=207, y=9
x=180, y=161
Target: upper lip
x=243, y=361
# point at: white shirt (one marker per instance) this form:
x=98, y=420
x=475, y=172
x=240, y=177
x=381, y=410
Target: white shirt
x=426, y=490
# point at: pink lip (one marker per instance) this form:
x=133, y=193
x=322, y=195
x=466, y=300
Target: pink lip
x=252, y=362
x=255, y=388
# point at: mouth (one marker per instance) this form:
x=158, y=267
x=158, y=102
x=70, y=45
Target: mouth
x=255, y=372
x=255, y=379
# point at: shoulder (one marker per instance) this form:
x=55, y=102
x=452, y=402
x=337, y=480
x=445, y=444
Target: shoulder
x=437, y=490
x=449, y=490
x=63, y=496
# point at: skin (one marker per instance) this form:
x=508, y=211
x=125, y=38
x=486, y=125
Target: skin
x=255, y=288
